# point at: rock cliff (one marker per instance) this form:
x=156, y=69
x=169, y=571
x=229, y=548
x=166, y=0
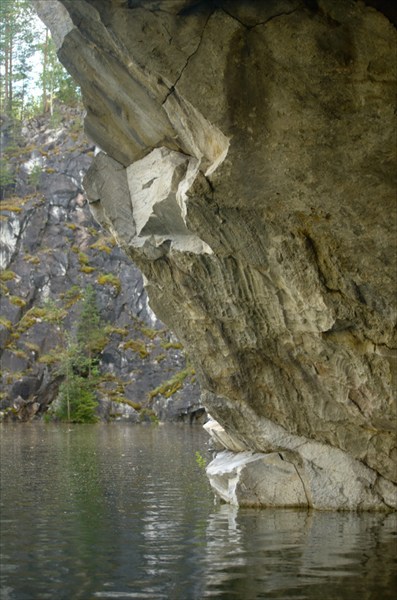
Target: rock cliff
x=51, y=250
x=247, y=169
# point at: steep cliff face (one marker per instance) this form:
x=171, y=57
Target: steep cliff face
x=51, y=250
x=247, y=169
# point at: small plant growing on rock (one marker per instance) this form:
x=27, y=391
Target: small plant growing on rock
x=110, y=279
x=35, y=176
x=17, y=301
x=171, y=345
x=137, y=346
x=200, y=460
x=168, y=388
x=87, y=269
x=7, y=275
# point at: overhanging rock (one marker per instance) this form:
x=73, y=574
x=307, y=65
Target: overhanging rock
x=252, y=150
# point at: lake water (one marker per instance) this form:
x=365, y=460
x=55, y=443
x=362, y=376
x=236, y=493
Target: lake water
x=124, y=511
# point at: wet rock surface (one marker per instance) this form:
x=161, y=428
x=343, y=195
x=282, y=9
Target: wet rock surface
x=280, y=120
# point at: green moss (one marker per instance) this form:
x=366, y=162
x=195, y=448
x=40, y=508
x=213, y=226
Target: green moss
x=150, y=333
x=50, y=313
x=72, y=296
x=109, y=330
x=83, y=258
x=169, y=387
x=86, y=269
x=138, y=346
x=19, y=353
x=110, y=279
x=17, y=301
x=171, y=345
x=32, y=347
x=6, y=323
x=51, y=358
x=121, y=400
x=108, y=377
x=71, y=226
x=13, y=204
x=147, y=413
x=7, y=275
x=104, y=244
x=33, y=260
x=26, y=323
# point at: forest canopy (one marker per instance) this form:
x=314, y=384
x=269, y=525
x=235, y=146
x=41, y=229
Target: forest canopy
x=31, y=77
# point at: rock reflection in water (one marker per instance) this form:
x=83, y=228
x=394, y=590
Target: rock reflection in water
x=125, y=512
x=279, y=553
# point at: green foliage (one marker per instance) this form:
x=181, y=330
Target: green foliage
x=200, y=460
x=16, y=50
x=25, y=43
x=7, y=177
x=78, y=365
x=35, y=176
x=72, y=296
x=91, y=334
x=77, y=402
x=50, y=312
x=51, y=358
x=146, y=414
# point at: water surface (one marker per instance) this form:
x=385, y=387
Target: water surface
x=124, y=511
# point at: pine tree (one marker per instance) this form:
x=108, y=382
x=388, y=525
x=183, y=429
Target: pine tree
x=25, y=43
x=17, y=31
x=90, y=333
x=78, y=365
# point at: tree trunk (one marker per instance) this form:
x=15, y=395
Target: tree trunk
x=45, y=69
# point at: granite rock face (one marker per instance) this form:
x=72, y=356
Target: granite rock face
x=250, y=150
x=51, y=250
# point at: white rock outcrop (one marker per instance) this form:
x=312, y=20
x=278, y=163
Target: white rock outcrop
x=308, y=474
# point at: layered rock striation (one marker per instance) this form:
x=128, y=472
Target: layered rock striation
x=247, y=169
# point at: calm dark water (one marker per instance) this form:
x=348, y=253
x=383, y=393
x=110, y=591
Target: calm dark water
x=121, y=511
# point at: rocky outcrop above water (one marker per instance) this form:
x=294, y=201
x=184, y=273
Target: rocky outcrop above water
x=247, y=169
x=51, y=250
